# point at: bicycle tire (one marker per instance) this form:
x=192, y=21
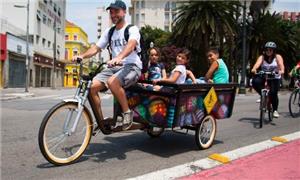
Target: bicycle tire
x=155, y=132
x=270, y=109
x=294, y=103
x=53, y=119
x=262, y=109
x=202, y=141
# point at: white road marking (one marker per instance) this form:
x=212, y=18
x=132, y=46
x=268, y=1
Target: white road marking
x=199, y=165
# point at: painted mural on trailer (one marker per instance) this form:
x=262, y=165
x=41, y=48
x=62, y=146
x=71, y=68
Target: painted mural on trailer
x=157, y=110
x=192, y=110
x=160, y=111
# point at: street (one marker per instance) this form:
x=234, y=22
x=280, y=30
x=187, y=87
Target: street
x=128, y=154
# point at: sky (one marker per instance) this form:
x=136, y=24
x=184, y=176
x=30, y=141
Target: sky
x=83, y=12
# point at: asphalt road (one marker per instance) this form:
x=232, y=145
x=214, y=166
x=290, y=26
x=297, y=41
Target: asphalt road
x=129, y=154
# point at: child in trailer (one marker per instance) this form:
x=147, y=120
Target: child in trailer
x=218, y=71
x=156, y=70
x=179, y=73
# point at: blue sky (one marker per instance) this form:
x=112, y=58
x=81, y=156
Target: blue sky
x=83, y=12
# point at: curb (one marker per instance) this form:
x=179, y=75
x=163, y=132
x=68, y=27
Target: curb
x=213, y=161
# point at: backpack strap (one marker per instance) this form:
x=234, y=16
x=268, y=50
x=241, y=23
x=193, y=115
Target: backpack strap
x=126, y=32
x=110, y=33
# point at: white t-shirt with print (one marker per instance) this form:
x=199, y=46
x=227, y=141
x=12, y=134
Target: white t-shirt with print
x=118, y=43
x=182, y=70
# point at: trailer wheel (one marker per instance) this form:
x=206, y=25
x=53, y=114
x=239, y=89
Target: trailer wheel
x=155, y=131
x=206, y=132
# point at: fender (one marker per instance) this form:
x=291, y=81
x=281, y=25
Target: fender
x=70, y=100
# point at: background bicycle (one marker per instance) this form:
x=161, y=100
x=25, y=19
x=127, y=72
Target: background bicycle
x=294, y=101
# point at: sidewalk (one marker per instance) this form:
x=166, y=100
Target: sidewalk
x=280, y=162
x=16, y=93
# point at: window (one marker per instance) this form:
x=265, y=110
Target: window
x=167, y=6
x=58, y=12
x=66, y=54
x=38, y=15
x=37, y=39
x=143, y=4
x=44, y=18
x=167, y=28
x=54, y=7
x=75, y=37
x=173, y=6
x=143, y=17
x=45, y=1
x=75, y=52
x=137, y=4
x=50, y=2
x=49, y=44
x=137, y=19
x=44, y=42
x=66, y=37
x=167, y=17
x=49, y=22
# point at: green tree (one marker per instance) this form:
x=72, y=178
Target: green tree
x=201, y=24
x=159, y=37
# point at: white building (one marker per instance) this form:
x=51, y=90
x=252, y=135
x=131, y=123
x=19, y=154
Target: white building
x=42, y=15
x=159, y=14
x=104, y=22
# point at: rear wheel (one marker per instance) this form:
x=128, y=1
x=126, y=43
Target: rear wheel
x=262, y=109
x=57, y=143
x=294, y=103
x=206, y=132
x=155, y=131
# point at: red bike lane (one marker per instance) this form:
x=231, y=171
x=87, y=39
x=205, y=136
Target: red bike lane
x=280, y=162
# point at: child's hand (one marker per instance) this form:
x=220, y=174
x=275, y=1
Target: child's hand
x=210, y=81
x=155, y=81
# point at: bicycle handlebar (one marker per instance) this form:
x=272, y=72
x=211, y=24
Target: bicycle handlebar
x=267, y=73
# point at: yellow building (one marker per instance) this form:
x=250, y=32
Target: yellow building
x=76, y=43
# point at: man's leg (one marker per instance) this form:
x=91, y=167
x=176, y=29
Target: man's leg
x=118, y=92
x=96, y=87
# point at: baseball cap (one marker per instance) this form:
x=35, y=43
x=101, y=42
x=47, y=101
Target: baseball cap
x=118, y=4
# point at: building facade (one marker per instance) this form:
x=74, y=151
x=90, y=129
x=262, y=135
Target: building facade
x=46, y=21
x=159, y=14
x=291, y=16
x=76, y=43
x=104, y=22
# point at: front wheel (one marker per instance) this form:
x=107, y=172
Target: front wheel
x=206, y=132
x=58, y=144
x=270, y=109
x=294, y=103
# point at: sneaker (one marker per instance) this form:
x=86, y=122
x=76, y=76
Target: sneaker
x=275, y=114
x=127, y=120
x=258, y=100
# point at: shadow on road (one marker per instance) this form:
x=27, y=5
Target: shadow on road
x=255, y=121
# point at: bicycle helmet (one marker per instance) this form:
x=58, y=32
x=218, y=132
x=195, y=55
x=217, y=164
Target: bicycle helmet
x=271, y=45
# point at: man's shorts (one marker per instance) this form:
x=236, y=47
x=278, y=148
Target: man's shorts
x=128, y=74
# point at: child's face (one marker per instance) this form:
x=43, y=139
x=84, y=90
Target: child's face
x=211, y=56
x=181, y=59
x=153, y=56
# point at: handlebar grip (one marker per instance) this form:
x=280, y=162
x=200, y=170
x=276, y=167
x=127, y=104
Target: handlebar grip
x=78, y=60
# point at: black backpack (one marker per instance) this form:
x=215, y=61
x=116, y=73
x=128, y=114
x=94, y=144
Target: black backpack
x=142, y=54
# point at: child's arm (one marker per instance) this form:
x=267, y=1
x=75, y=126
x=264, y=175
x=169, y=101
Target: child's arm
x=171, y=79
x=164, y=73
x=191, y=75
x=213, y=67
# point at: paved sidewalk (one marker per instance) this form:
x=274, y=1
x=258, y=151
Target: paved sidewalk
x=280, y=162
x=16, y=93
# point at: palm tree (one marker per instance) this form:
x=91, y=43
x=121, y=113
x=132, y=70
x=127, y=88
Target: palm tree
x=201, y=24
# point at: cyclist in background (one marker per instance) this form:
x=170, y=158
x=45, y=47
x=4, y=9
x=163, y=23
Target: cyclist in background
x=269, y=61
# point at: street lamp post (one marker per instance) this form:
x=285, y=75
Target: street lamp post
x=244, y=21
x=27, y=46
x=242, y=89
x=54, y=56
